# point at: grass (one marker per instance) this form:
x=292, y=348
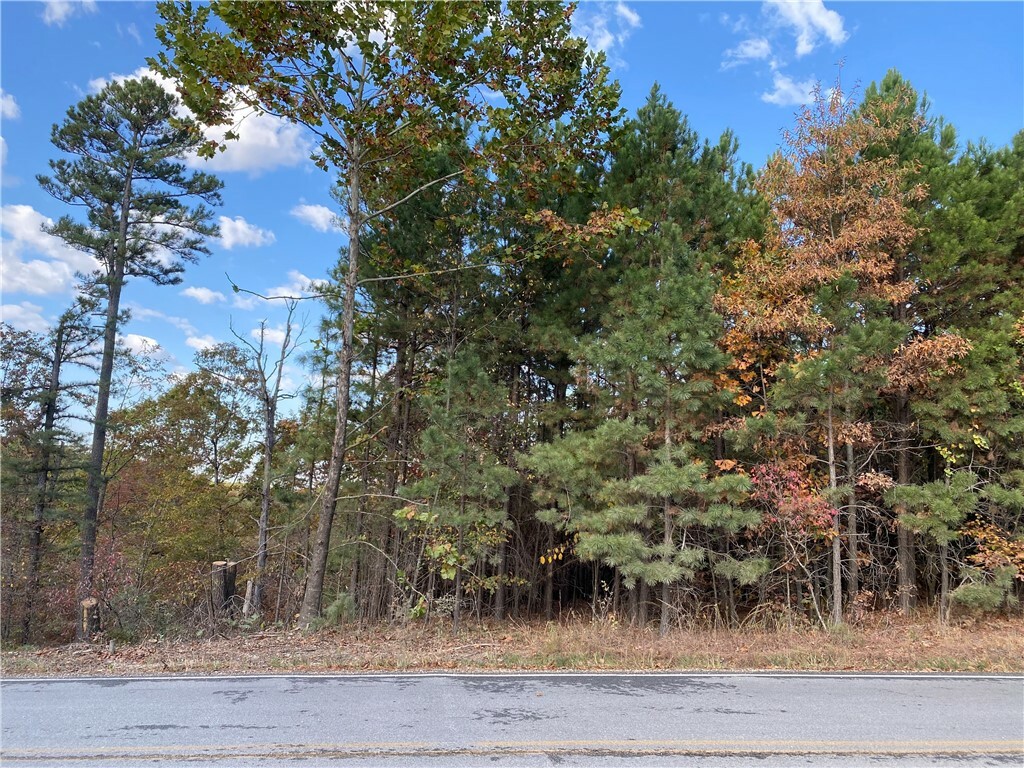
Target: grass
x=881, y=643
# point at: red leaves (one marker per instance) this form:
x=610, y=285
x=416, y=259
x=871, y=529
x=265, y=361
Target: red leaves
x=790, y=502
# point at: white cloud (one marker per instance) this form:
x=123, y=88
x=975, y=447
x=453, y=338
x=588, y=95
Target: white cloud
x=238, y=232
x=606, y=27
x=627, y=15
x=9, y=109
x=200, y=342
x=271, y=336
x=59, y=11
x=203, y=295
x=298, y=285
x=139, y=345
x=788, y=92
x=145, y=313
x=319, y=217
x=264, y=141
x=25, y=316
x=752, y=49
x=131, y=31
x=54, y=269
x=3, y=152
x=244, y=301
x=810, y=20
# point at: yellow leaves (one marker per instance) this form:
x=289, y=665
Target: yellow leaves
x=919, y=361
x=858, y=433
x=725, y=465
x=995, y=548
x=556, y=553
x=874, y=483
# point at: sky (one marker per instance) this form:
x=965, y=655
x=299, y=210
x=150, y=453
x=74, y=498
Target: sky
x=737, y=65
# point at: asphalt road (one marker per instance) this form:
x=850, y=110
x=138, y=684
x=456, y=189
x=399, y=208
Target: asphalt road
x=517, y=720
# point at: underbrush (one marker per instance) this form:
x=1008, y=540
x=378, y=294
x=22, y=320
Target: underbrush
x=878, y=642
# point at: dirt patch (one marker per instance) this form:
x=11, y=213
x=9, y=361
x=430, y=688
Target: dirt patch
x=883, y=645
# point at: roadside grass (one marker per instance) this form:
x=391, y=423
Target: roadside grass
x=878, y=643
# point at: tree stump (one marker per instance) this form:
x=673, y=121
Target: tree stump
x=222, y=587
x=247, y=606
x=90, y=617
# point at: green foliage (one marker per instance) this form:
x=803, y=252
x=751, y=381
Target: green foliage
x=463, y=483
x=981, y=595
x=937, y=509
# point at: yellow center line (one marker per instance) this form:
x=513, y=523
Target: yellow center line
x=690, y=746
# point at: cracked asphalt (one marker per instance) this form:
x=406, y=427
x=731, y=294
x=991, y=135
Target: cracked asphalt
x=516, y=720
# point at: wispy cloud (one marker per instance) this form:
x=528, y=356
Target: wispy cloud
x=203, y=295
x=788, y=92
x=607, y=27
x=809, y=20
x=131, y=31
x=767, y=38
x=56, y=12
x=751, y=49
x=238, y=232
x=183, y=324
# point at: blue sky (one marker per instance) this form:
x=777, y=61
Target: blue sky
x=744, y=66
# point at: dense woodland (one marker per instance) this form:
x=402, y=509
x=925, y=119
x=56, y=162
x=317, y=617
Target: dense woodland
x=569, y=362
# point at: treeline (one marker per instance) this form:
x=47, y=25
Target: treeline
x=570, y=362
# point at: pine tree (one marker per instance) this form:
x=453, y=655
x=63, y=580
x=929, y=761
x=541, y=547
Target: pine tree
x=124, y=142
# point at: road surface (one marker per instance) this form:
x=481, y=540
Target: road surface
x=516, y=720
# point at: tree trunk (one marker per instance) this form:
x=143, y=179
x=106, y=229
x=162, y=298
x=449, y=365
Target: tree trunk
x=222, y=587
x=94, y=490
x=906, y=572
x=89, y=621
x=944, y=586
x=313, y=596
x=549, y=578
x=264, y=526
x=852, y=566
x=666, y=521
x=35, y=542
x=837, y=542
x=457, y=608
x=499, y=589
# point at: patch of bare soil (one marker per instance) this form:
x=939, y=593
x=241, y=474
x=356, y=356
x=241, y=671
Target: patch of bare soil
x=878, y=644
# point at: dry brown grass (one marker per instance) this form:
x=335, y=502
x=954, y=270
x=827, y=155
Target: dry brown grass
x=881, y=643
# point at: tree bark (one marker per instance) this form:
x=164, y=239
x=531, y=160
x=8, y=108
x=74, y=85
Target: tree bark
x=837, y=542
x=222, y=587
x=853, y=567
x=89, y=620
x=313, y=596
x=666, y=514
x=906, y=572
x=94, y=489
x=35, y=542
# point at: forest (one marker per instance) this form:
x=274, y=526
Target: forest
x=570, y=361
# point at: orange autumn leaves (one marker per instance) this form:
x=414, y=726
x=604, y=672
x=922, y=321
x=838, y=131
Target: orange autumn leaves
x=836, y=212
